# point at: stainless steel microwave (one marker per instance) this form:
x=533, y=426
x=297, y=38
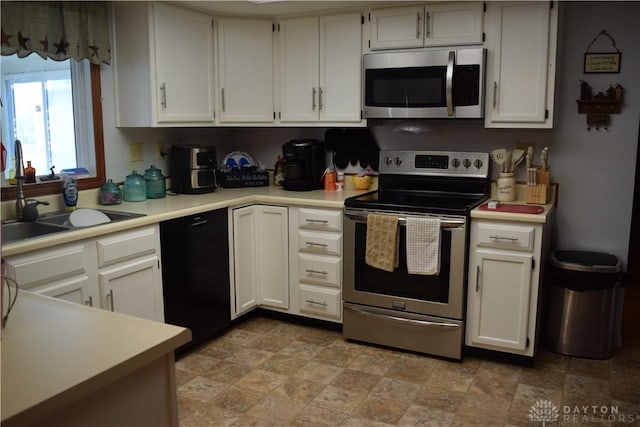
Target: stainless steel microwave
x=438, y=83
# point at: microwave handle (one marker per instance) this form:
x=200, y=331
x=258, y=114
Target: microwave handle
x=449, y=83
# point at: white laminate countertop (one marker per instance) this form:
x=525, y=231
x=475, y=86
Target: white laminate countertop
x=541, y=218
x=55, y=352
x=171, y=207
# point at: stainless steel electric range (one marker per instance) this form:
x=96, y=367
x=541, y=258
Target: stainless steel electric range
x=418, y=312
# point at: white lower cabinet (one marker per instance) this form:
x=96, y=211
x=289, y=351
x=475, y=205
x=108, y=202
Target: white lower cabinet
x=287, y=259
x=504, y=282
x=118, y=272
x=260, y=251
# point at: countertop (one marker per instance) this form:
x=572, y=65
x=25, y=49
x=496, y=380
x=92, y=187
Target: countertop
x=55, y=352
x=541, y=218
x=175, y=206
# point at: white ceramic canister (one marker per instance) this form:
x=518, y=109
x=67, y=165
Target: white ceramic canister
x=506, y=186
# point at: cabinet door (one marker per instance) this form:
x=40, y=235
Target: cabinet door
x=273, y=256
x=499, y=299
x=245, y=70
x=340, y=85
x=245, y=259
x=183, y=50
x=73, y=289
x=453, y=23
x=397, y=27
x=299, y=69
x=520, y=65
x=133, y=288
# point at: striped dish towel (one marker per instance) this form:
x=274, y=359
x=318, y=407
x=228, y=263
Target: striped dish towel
x=423, y=245
x=382, y=242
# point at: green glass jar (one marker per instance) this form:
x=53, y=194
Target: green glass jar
x=135, y=188
x=156, y=187
x=110, y=193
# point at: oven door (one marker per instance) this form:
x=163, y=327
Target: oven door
x=439, y=295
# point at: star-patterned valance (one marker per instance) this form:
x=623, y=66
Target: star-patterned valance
x=57, y=29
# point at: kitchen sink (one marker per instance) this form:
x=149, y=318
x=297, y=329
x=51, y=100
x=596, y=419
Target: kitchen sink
x=14, y=231
x=55, y=222
x=62, y=218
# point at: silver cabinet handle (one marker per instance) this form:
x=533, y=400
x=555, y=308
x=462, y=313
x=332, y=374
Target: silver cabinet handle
x=477, y=278
x=318, y=221
x=310, y=301
x=403, y=320
x=426, y=22
x=313, y=99
x=222, y=98
x=110, y=298
x=198, y=222
x=320, y=99
x=89, y=302
x=449, y=85
x=320, y=245
x=311, y=271
x=495, y=94
x=163, y=91
x=418, y=25
x=511, y=239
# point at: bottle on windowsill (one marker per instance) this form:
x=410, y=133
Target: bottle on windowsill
x=29, y=173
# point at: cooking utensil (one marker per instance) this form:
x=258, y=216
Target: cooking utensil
x=544, y=158
x=518, y=156
x=498, y=156
x=507, y=161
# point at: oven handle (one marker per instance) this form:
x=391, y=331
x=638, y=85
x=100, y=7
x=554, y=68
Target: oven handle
x=401, y=319
x=444, y=223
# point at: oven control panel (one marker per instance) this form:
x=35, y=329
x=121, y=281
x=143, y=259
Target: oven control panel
x=446, y=163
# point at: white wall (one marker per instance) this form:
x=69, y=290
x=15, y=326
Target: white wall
x=595, y=170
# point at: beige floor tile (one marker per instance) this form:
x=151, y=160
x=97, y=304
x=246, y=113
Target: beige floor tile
x=270, y=343
x=336, y=357
x=441, y=398
x=493, y=411
x=201, y=389
x=389, y=388
x=237, y=399
x=281, y=364
x=240, y=337
x=373, y=363
x=183, y=377
x=261, y=380
x=301, y=349
x=210, y=416
x=546, y=359
x=418, y=416
x=249, y=356
x=299, y=390
x=382, y=410
x=288, y=330
x=542, y=377
x=227, y=372
x=187, y=406
x=589, y=368
x=356, y=380
x=219, y=349
x=363, y=422
x=318, y=372
x=451, y=379
x=338, y=399
x=258, y=324
x=576, y=384
x=196, y=363
x=317, y=416
x=413, y=369
x=319, y=337
x=528, y=395
x=276, y=409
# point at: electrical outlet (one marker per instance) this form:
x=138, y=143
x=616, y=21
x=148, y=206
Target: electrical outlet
x=163, y=150
x=136, y=152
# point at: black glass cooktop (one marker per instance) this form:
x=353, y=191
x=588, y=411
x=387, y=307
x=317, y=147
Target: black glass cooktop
x=417, y=201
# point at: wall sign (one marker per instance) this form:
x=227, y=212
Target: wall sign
x=602, y=62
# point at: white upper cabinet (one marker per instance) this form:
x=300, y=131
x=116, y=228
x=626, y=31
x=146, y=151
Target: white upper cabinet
x=454, y=23
x=521, y=43
x=437, y=24
x=320, y=69
x=245, y=70
x=164, y=68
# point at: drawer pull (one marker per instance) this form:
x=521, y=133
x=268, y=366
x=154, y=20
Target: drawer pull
x=320, y=245
x=310, y=301
x=89, y=302
x=496, y=237
x=318, y=221
x=311, y=271
x=110, y=298
x=477, y=278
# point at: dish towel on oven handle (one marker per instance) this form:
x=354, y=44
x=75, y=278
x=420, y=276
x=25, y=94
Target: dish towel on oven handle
x=382, y=242
x=423, y=245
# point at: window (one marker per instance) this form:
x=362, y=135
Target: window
x=53, y=108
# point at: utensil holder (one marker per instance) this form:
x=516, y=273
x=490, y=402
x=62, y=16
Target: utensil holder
x=506, y=184
x=539, y=194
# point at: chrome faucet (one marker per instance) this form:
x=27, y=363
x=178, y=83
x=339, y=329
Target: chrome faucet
x=21, y=202
x=26, y=209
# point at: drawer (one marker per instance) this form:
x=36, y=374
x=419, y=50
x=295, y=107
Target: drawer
x=320, y=243
x=320, y=301
x=322, y=270
x=321, y=219
x=127, y=245
x=515, y=237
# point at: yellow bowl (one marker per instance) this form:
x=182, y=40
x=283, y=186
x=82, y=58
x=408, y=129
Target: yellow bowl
x=361, y=182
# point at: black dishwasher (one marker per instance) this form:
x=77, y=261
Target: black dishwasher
x=195, y=274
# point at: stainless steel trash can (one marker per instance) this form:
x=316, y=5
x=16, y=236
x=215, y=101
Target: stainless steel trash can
x=582, y=303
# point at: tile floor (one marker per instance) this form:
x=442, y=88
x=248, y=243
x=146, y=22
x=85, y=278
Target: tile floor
x=270, y=372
